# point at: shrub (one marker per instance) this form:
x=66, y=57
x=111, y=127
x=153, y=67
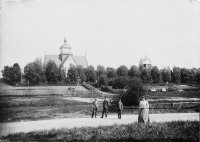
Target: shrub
x=134, y=92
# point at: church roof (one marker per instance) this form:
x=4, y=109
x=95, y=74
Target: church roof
x=65, y=45
x=52, y=57
x=80, y=60
x=146, y=61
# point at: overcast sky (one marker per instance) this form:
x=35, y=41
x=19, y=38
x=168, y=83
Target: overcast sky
x=112, y=32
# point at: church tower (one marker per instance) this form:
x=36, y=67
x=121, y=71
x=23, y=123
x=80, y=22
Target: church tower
x=65, y=50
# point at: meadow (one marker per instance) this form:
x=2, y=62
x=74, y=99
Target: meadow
x=175, y=131
x=40, y=107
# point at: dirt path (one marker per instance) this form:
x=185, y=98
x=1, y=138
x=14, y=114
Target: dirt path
x=7, y=128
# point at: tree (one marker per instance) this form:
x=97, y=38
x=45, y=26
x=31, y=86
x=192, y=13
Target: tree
x=101, y=70
x=122, y=71
x=192, y=75
x=145, y=75
x=134, y=92
x=90, y=74
x=134, y=71
x=7, y=74
x=103, y=80
x=197, y=77
x=33, y=72
x=73, y=74
x=110, y=72
x=81, y=73
x=155, y=74
x=185, y=75
x=12, y=74
x=166, y=75
x=121, y=82
x=52, y=72
x=176, y=75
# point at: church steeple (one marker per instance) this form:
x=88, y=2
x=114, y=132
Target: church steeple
x=65, y=50
x=65, y=40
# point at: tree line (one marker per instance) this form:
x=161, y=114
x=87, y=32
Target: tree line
x=36, y=72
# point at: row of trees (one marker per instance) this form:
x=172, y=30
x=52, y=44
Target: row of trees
x=35, y=72
x=120, y=77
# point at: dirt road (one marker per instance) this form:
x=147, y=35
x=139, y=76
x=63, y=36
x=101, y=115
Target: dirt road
x=7, y=128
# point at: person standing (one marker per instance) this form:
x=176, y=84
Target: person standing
x=94, y=108
x=120, y=108
x=105, y=107
x=143, y=116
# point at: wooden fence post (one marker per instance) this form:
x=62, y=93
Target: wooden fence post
x=172, y=103
x=132, y=109
x=157, y=104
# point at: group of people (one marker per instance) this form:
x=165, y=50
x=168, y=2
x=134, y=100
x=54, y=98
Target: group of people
x=143, y=116
x=105, y=108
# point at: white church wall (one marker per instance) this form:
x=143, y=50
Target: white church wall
x=68, y=62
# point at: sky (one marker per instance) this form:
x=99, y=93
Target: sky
x=110, y=32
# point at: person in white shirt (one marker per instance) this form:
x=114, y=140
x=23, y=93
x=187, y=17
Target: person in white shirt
x=143, y=116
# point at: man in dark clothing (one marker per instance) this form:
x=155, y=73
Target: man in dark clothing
x=105, y=107
x=94, y=108
x=120, y=108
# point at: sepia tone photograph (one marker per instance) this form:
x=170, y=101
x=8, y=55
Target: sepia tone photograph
x=100, y=70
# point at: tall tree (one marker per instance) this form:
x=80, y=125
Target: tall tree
x=73, y=74
x=81, y=73
x=101, y=70
x=197, y=77
x=90, y=74
x=7, y=74
x=122, y=71
x=52, y=72
x=166, y=75
x=33, y=72
x=155, y=74
x=185, y=75
x=134, y=72
x=16, y=73
x=145, y=75
x=12, y=74
x=120, y=82
x=176, y=75
x=110, y=72
x=102, y=80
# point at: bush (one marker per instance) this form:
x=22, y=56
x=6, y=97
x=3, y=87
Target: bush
x=121, y=82
x=134, y=92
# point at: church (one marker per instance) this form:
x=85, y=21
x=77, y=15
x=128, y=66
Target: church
x=65, y=59
x=145, y=62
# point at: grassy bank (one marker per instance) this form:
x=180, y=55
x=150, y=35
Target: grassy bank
x=166, y=132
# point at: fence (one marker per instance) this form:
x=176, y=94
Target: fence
x=72, y=92
x=169, y=105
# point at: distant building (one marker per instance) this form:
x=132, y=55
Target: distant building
x=145, y=62
x=65, y=59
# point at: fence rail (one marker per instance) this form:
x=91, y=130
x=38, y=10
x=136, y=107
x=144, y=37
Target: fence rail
x=172, y=105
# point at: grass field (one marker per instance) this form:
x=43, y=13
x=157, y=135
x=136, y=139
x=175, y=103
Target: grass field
x=38, y=107
x=176, y=131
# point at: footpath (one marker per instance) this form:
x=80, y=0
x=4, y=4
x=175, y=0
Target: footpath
x=28, y=126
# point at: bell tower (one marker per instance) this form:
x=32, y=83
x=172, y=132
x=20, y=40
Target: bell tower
x=65, y=50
